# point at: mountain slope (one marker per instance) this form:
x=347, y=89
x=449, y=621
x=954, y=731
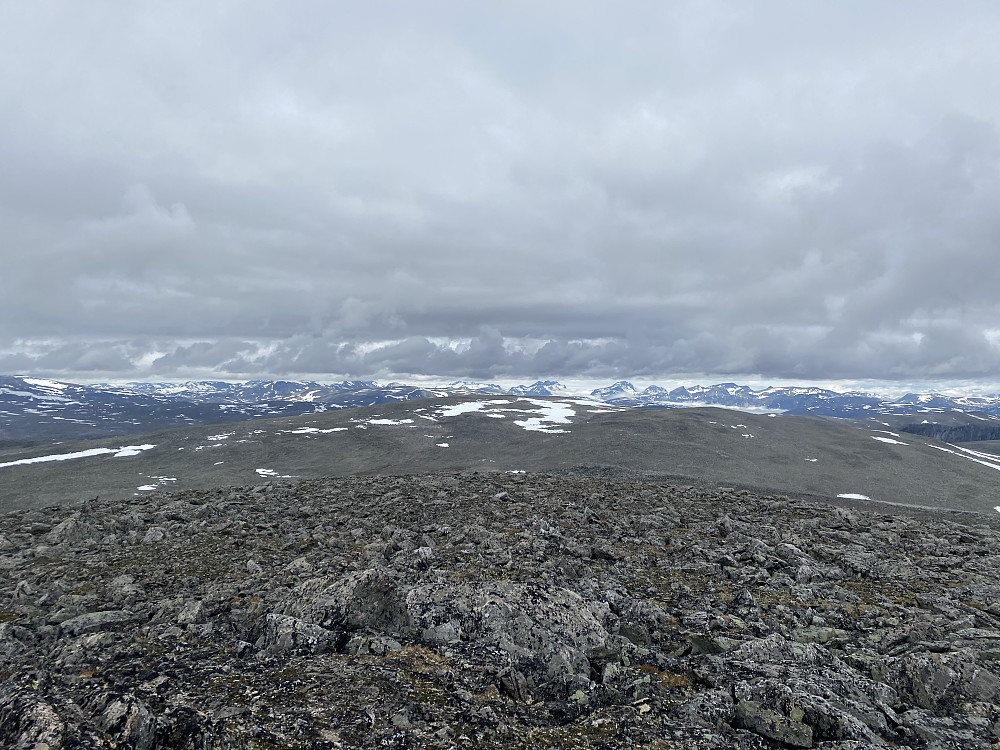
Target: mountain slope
x=805, y=456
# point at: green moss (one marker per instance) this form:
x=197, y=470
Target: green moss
x=7, y=616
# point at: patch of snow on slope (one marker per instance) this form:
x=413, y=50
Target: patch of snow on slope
x=986, y=459
x=312, y=431
x=468, y=407
x=390, y=421
x=124, y=451
x=887, y=440
x=37, y=397
x=159, y=481
x=979, y=454
x=132, y=450
x=221, y=436
x=853, y=496
x=45, y=383
x=553, y=412
x=441, y=445
x=273, y=473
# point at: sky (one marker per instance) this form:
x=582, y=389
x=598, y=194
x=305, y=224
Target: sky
x=789, y=190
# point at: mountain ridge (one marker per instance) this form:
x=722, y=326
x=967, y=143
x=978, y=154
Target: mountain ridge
x=39, y=411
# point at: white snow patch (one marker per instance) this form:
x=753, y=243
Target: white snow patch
x=390, y=421
x=553, y=412
x=132, y=450
x=221, y=436
x=996, y=508
x=887, y=440
x=986, y=459
x=36, y=396
x=124, y=451
x=45, y=383
x=147, y=487
x=441, y=445
x=852, y=496
x=979, y=454
x=273, y=473
x=311, y=431
x=468, y=407
x=812, y=460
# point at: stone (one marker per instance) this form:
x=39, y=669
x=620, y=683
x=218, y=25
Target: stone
x=751, y=715
x=155, y=534
x=91, y=622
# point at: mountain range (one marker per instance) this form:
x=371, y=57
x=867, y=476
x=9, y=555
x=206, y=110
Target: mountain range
x=35, y=410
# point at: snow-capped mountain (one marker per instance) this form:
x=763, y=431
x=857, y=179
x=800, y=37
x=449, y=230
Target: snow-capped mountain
x=620, y=390
x=794, y=400
x=474, y=385
x=539, y=388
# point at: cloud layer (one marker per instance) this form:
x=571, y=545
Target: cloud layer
x=257, y=189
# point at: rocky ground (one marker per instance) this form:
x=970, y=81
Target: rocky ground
x=494, y=610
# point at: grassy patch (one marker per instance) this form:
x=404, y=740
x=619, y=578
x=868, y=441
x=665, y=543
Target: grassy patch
x=666, y=679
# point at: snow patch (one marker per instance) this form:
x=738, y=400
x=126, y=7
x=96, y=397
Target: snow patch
x=887, y=440
x=123, y=452
x=273, y=473
x=132, y=450
x=39, y=382
x=553, y=412
x=468, y=407
x=853, y=496
x=311, y=431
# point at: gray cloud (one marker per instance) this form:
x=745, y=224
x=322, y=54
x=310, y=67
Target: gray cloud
x=796, y=190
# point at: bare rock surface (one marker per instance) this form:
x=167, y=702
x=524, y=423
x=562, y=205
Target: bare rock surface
x=494, y=610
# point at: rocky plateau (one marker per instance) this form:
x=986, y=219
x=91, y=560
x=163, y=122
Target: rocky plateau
x=496, y=610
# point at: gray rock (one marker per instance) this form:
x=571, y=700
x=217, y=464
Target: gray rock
x=284, y=633
x=754, y=717
x=91, y=622
x=713, y=709
x=155, y=534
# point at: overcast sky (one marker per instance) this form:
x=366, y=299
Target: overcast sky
x=799, y=190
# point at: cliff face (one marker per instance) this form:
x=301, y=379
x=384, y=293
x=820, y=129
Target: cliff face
x=494, y=611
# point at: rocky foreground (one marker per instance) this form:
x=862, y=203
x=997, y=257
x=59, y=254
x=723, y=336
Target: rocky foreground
x=513, y=611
